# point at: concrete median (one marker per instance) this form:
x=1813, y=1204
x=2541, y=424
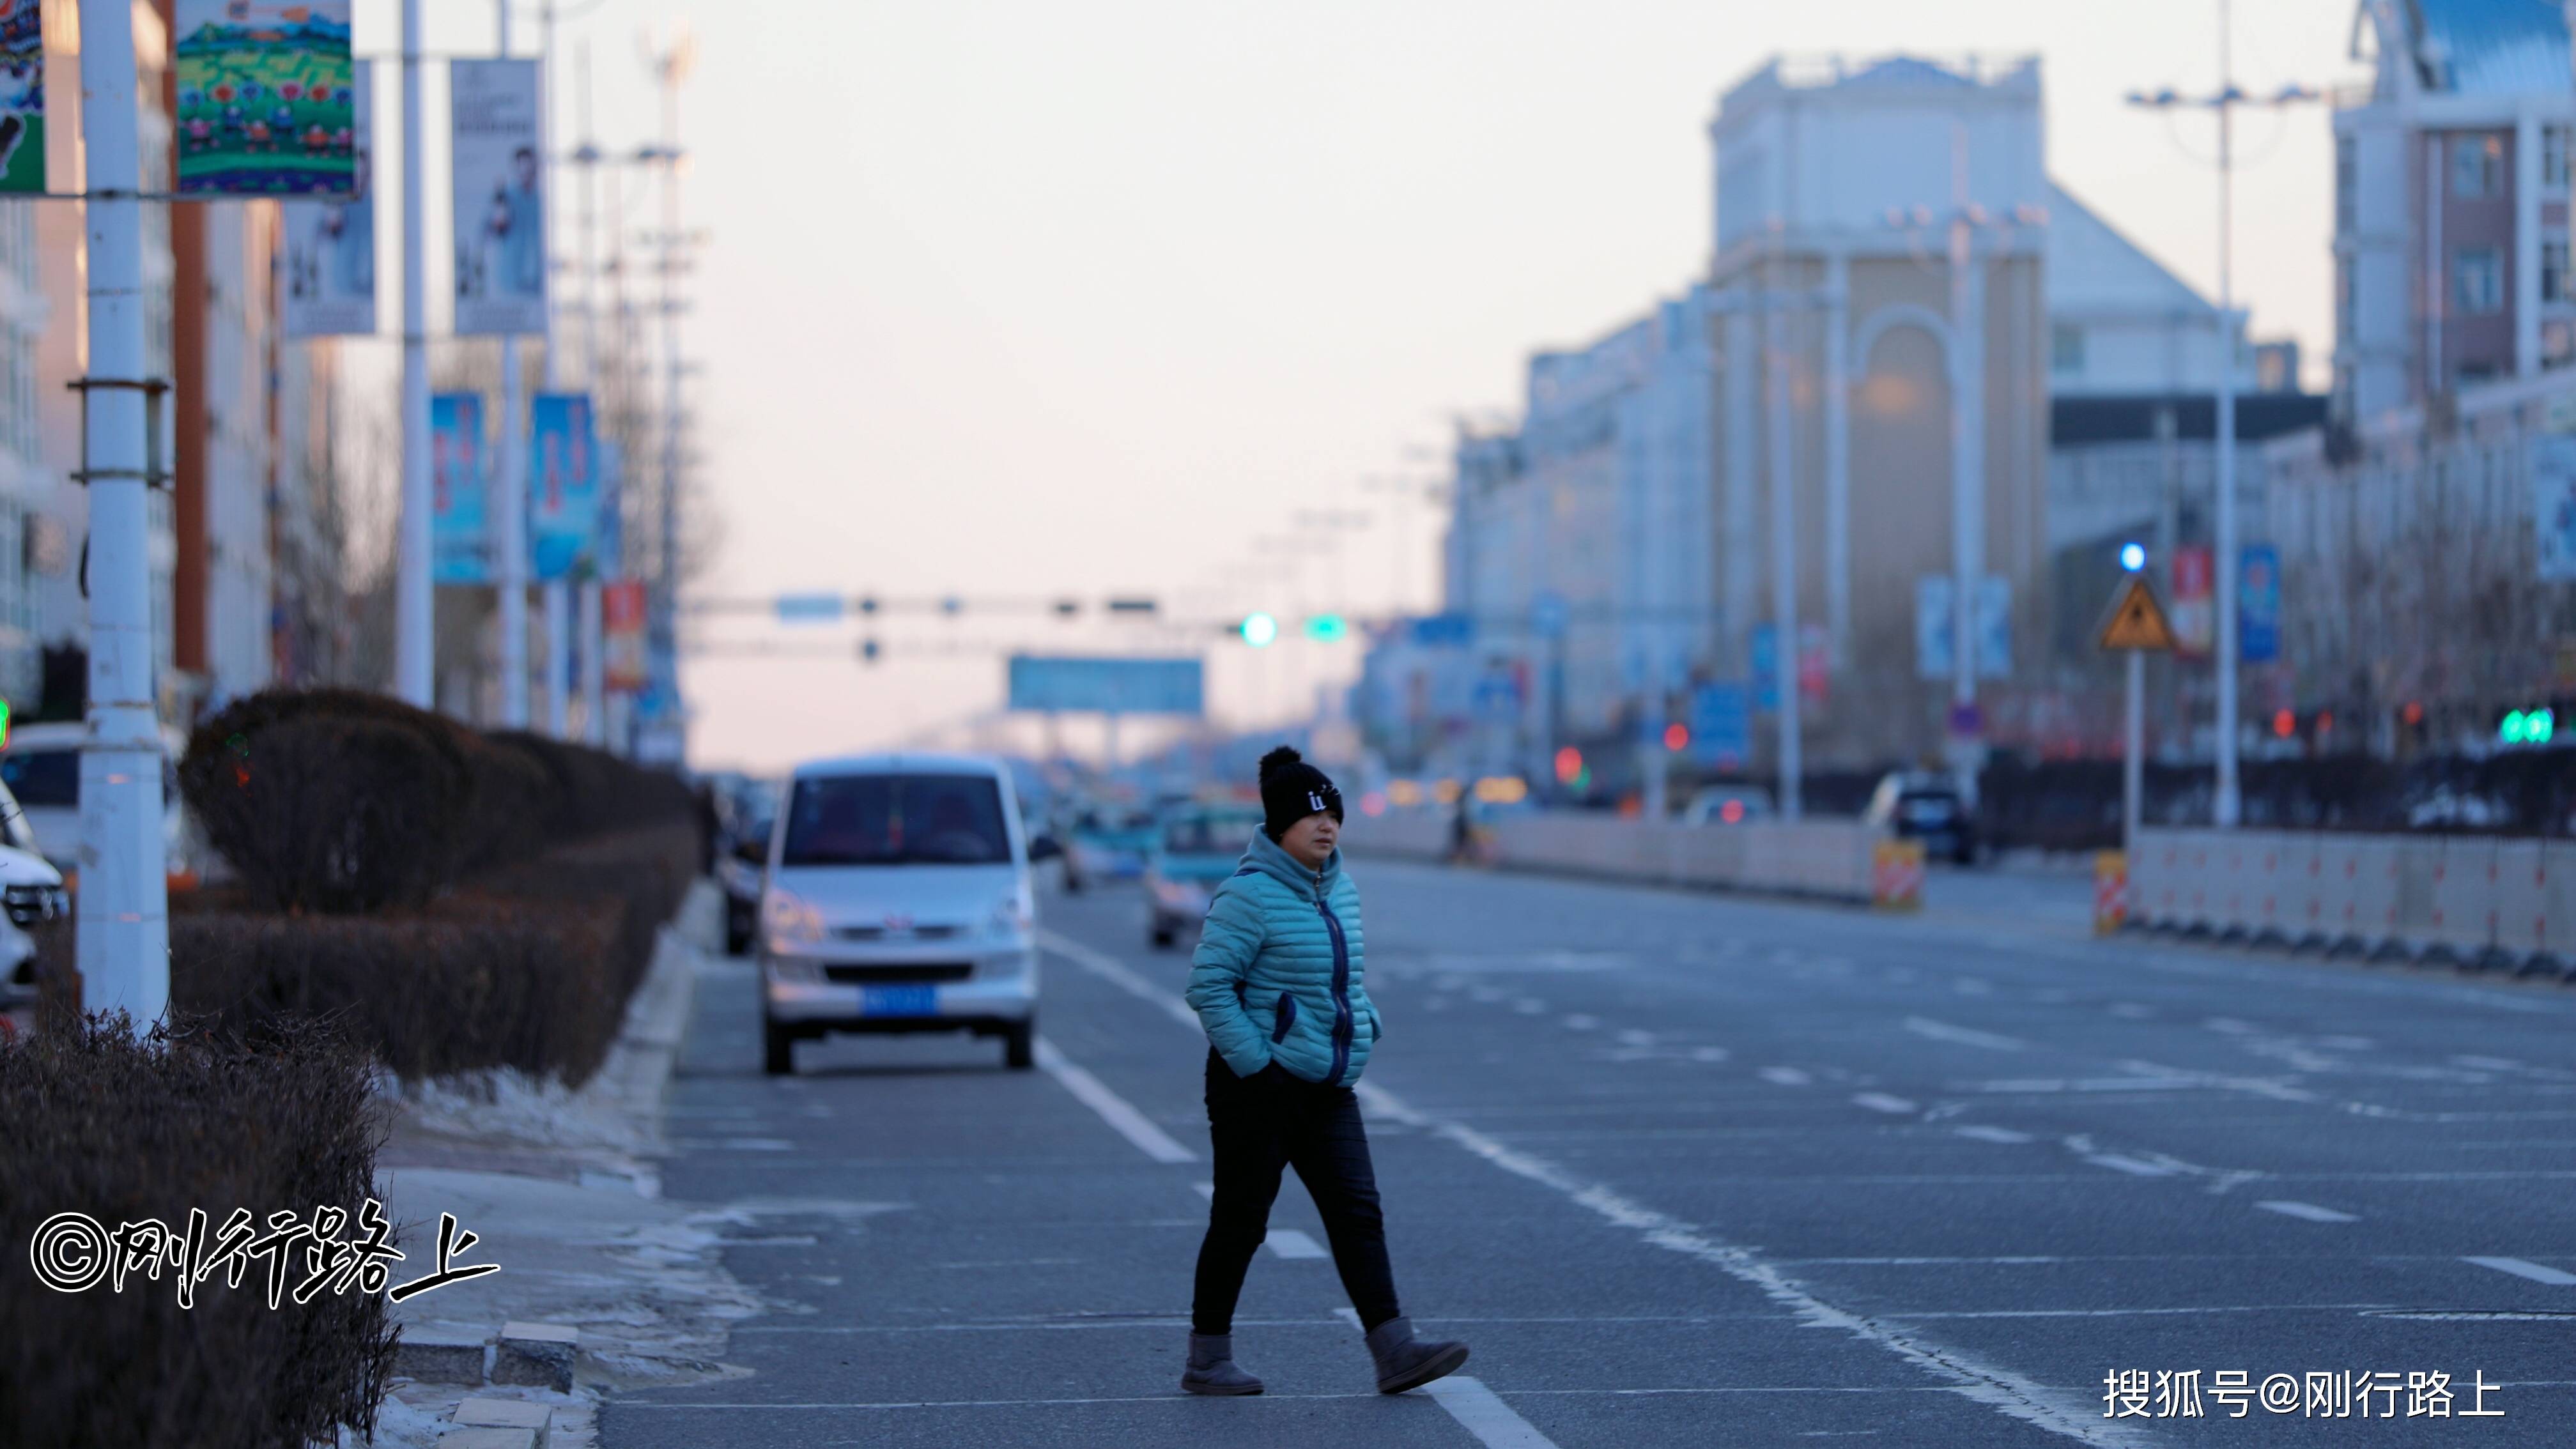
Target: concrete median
x=1824, y=859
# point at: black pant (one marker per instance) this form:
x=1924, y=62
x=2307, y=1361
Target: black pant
x=1260, y=1124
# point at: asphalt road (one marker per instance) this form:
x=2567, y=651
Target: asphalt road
x=1683, y=1170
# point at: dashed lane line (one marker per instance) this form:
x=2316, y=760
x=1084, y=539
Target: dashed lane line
x=1480, y=1413
x=1785, y=1076
x=1129, y=1123
x=1291, y=1243
x=2306, y=1211
x=1882, y=1102
x=1925, y=1026
x=2522, y=1268
x=2004, y=1135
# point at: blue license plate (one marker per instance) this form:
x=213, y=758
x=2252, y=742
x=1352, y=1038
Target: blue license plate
x=898, y=1001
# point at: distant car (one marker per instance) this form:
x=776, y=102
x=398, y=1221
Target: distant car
x=41, y=768
x=896, y=898
x=1920, y=805
x=739, y=869
x=1728, y=805
x=1109, y=845
x=1199, y=846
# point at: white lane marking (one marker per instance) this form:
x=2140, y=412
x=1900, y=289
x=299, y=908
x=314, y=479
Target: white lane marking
x=1635, y=1038
x=1963, y=1035
x=2132, y=1011
x=1350, y=1316
x=2119, y=1163
x=1204, y=1189
x=2487, y=1064
x=2306, y=1211
x=1530, y=1006
x=2004, y=1135
x=1581, y=1022
x=1131, y=1124
x=1786, y=1076
x=2056, y=1410
x=2230, y=1026
x=1708, y=1054
x=1112, y=970
x=1485, y=1416
x=1881, y=1102
x=1290, y=1243
x=2020, y=1086
x=2522, y=1269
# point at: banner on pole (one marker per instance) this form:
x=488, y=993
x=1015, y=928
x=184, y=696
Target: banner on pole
x=498, y=172
x=2258, y=604
x=267, y=98
x=460, y=538
x=22, y=97
x=331, y=248
x=2552, y=466
x=563, y=486
x=621, y=629
x=2194, y=612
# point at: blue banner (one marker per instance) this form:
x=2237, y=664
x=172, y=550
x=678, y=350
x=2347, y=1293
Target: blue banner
x=460, y=538
x=1766, y=668
x=2258, y=605
x=1721, y=724
x=563, y=487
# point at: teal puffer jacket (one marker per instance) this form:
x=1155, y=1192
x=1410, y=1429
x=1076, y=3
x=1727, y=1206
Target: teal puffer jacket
x=1277, y=973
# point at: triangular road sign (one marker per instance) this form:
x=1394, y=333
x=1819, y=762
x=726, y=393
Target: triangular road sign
x=2136, y=620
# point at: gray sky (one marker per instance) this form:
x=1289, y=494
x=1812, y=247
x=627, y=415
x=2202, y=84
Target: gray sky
x=1029, y=297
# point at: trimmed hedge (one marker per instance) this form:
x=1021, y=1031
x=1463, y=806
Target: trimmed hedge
x=528, y=968
x=339, y=801
x=123, y=1131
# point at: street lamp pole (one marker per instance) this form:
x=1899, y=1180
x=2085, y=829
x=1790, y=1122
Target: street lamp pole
x=2226, y=805
x=123, y=950
x=413, y=661
x=511, y=541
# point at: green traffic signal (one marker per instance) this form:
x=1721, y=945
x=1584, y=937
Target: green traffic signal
x=2527, y=727
x=1327, y=628
x=1259, y=629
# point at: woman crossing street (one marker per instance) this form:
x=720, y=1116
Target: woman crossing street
x=1277, y=982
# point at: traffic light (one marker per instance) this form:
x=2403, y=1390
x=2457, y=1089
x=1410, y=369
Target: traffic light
x=1258, y=630
x=2528, y=727
x=1327, y=628
x=2133, y=557
x=868, y=651
x=1569, y=765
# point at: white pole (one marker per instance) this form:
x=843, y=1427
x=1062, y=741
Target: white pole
x=2133, y=766
x=558, y=660
x=511, y=544
x=1784, y=557
x=668, y=663
x=1967, y=457
x=412, y=590
x=2224, y=805
x=123, y=913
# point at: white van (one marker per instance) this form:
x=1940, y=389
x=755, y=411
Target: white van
x=897, y=899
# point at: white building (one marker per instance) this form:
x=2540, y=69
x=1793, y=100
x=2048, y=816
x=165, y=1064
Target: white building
x=2451, y=196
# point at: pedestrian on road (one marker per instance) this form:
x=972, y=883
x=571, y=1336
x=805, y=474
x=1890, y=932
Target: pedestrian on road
x=1277, y=983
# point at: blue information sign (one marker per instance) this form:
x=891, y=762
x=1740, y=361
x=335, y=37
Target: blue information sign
x=1721, y=724
x=2258, y=605
x=1106, y=686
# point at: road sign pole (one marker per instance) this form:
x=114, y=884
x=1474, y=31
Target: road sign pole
x=2133, y=756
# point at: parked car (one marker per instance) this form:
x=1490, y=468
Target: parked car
x=1198, y=847
x=1728, y=805
x=739, y=869
x=1921, y=805
x=41, y=768
x=31, y=890
x=897, y=898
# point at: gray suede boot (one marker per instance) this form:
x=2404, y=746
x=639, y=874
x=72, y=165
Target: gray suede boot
x=1405, y=1362
x=1212, y=1369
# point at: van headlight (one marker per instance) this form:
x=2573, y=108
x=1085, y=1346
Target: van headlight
x=790, y=920
x=1014, y=915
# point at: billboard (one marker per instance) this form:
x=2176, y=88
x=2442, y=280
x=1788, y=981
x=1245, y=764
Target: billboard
x=460, y=538
x=1936, y=623
x=563, y=486
x=267, y=98
x=498, y=173
x=1106, y=686
x=2258, y=604
x=331, y=248
x=22, y=97
x=621, y=630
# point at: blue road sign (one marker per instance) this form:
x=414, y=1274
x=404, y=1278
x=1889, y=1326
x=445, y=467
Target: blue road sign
x=1106, y=686
x=1721, y=724
x=2258, y=605
x=809, y=608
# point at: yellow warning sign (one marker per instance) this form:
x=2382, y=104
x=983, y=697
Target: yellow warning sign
x=2137, y=621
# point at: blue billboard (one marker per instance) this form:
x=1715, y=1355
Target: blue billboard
x=460, y=536
x=2258, y=604
x=563, y=487
x=1047, y=682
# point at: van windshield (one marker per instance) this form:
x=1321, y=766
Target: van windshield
x=896, y=820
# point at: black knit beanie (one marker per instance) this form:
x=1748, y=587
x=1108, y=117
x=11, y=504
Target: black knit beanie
x=1291, y=790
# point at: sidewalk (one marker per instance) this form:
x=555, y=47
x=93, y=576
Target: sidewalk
x=563, y=1192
